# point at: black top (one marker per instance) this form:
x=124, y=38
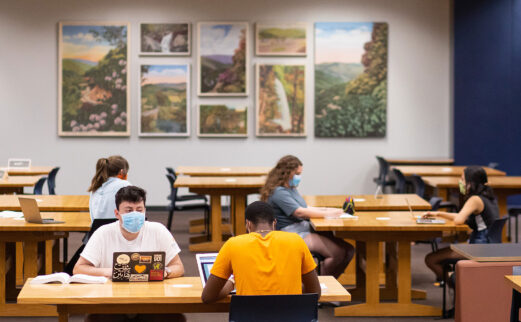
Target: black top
x=489, y=214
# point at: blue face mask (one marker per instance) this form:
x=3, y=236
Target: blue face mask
x=133, y=221
x=293, y=182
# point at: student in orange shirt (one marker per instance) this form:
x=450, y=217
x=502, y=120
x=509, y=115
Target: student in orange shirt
x=263, y=262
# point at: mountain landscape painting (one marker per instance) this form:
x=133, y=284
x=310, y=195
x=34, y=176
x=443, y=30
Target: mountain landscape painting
x=93, y=80
x=281, y=100
x=222, y=59
x=223, y=120
x=164, y=100
x=351, y=79
x=280, y=39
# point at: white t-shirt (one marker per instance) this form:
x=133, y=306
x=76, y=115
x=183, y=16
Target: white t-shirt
x=153, y=237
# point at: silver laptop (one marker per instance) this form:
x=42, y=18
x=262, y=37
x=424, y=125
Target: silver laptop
x=204, y=265
x=32, y=212
x=423, y=220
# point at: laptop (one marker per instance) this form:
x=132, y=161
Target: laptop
x=422, y=220
x=32, y=212
x=204, y=265
x=138, y=266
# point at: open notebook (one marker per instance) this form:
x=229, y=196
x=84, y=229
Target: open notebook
x=65, y=278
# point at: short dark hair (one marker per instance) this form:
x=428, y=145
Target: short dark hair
x=260, y=211
x=131, y=194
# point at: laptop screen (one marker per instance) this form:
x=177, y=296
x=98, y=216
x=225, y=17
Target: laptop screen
x=205, y=264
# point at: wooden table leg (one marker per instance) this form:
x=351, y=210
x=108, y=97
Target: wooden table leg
x=49, y=255
x=63, y=314
x=30, y=259
x=19, y=263
x=215, y=228
x=238, y=214
x=3, y=272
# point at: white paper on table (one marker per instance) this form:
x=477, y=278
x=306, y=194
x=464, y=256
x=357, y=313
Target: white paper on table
x=226, y=169
x=446, y=169
x=182, y=285
x=359, y=199
x=347, y=216
x=11, y=214
x=383, y=218
x=323, y=286
x=230, y=180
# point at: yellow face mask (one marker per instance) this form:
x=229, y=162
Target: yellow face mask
x=462, y=188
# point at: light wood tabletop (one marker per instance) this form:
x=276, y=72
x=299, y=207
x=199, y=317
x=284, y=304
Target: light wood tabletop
x=202, y=171
x=438, y=170
x=420, y=161
x=178, y=295
x=48, y=202
x=397, y=230
x=514, y=281
x=507, y=252
x=220, y=182
x=33, y=170
x=370, y=202
x=73, y=221
x=16, y=184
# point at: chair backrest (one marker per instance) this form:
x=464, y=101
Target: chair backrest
x=383, y=168
x=173, y=191
x=97, y=223
x=38, y=187
x=171, y=171
x=399, y=186
x=435, y=203
x=419, y=185
x=495, y=231
x=51, y=180
x=274, y=308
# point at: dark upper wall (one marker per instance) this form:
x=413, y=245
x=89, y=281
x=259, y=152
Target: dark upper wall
x=487, y=83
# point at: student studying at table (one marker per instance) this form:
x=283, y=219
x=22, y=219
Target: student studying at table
x=293, y=214
x=111, y=175
x=130, y=233
x=263, y=262
x=479, y=212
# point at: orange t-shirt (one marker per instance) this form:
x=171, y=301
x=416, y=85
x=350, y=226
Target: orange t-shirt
x=269, y=265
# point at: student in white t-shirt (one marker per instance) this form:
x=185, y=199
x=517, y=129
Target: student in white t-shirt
x=130, y=233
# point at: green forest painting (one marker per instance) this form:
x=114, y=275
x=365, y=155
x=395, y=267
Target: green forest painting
x=280, y=39
x=93, y=80
x=281, y=100
x=223, y=120
x=222, y=59
x=351, y=79
x=164, y=93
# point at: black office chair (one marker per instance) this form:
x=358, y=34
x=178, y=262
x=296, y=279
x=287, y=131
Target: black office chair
x=382, y=180
x=38, y=187
x=175, y=206
x=494, y=236
x=400, y=185
x=436, y=202
x=97, y=223
x=51, y=180
x=318, y=259
x=274, y=308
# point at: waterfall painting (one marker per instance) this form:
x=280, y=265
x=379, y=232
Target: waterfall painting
x=229, y=120
x=165, y=39
x=280, y=39
x=351, y=79
x=93, y=85
x=222, y=59
x=281, y=100
x=164, y=100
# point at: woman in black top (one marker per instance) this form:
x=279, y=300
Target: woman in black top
x=479, y=212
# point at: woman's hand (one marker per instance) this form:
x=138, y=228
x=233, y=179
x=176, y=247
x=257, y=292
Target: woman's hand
x=334, y=211
x=430, y=214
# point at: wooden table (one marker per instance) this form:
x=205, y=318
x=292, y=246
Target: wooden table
x=438, y=170
x=420, y=161
x=18, y=231
x=33, y=170
x=489, y=252
x=141, y=297
x=236, y=187
x=16, y=184
x=514, y=281
x=48, y=202
x=386, y=202
x=203, y=171
x=398, y=230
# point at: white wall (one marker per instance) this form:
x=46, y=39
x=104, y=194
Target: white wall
x=419, y=112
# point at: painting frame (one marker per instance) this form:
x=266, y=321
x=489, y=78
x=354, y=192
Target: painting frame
x=221, y=135
x=188, y=103
x=128, y=117
x=302, y=25
x=166, y=54
x=247, y=60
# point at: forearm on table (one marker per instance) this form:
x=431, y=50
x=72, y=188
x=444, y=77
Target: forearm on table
x=92, y=271
x=312, y=212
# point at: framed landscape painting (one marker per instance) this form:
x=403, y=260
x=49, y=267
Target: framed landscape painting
x=280, y=39
x=230, y=120
x=281, y=100
x=93, y=86
x=164, y=100
x=351, y=79
x=222, y=59
x=165, y=39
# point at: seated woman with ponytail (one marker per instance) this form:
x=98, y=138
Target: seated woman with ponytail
x=479, y=212
x=292, y=215
x=111, y=175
